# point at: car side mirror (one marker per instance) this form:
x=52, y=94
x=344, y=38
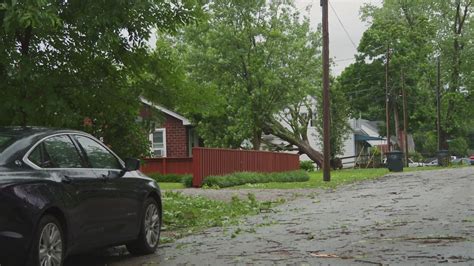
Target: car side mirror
x=132, y=164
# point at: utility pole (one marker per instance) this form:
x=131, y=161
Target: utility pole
x=387, y=98
x=405, y=119
x=438, y=104
x=326, y=102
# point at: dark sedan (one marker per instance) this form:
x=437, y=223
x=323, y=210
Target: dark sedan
x=64, y=192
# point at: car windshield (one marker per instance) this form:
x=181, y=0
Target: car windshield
x=5, y=141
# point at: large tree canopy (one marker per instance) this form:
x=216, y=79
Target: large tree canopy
x=254, y=58
x=416, y=33
x=64, y=61
x=256, y=64
x=258, y=58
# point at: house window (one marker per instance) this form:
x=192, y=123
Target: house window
x=193, y=141
x=312, y=121
x=158, y=142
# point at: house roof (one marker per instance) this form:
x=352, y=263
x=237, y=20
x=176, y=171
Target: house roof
x=366, y=127
x=359, y=137
x=185, y=121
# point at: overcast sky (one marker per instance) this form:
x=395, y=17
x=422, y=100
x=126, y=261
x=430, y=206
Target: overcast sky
x=340, y=47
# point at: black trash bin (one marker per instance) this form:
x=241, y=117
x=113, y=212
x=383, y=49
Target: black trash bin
x=443, y=158
x=395, y=161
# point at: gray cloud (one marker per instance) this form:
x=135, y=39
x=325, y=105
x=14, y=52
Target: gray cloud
x=340, y=47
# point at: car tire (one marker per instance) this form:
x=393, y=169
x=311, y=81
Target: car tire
x=48, y=243
x=150, y=230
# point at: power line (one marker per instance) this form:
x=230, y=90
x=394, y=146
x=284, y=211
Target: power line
x=342, y=25
x=343, y=59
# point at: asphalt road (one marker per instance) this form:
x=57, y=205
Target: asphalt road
x=421, y=218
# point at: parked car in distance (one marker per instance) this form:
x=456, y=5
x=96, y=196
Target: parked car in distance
x=461, y=161
x=472, y=159
x=432, y=163
x=64, y=192
x=411, y=163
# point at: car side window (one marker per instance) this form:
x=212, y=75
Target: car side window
x=99, y=157
x=56, y=152
x=36, y=156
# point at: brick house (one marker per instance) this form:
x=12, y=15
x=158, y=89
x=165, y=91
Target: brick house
x=174, y=136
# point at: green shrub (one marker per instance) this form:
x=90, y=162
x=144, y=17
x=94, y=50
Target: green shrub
x=308, y=166
x=241, y=178
x=416, y=156
x=167, y=178
x=187, y=180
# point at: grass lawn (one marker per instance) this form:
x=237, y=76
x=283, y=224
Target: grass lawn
x=316, y=179
x=341, y=177
x=167, y=186
x=183, y=215
x=338, y=177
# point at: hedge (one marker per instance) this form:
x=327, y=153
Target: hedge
x=242, y=178
x=172, y=178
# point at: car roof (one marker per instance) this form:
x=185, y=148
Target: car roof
x=25, y=137
x=22, y=132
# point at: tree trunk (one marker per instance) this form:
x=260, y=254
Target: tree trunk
x=256, y=140
x=313, y=154
x=397, y=124
x=276, y=129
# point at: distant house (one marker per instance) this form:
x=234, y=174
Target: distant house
x=174, y=136
x=362, y=140
x=363, y=137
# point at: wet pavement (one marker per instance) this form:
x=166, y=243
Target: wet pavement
x=416, y=218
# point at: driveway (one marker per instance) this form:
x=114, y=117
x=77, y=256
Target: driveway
x=409, y=218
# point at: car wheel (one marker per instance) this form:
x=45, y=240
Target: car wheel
x=48, y=247
x=150, y=230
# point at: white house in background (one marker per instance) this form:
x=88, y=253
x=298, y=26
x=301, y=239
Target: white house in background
x=363, y=136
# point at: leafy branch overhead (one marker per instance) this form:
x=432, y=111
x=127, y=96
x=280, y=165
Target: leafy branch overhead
x=65, y=61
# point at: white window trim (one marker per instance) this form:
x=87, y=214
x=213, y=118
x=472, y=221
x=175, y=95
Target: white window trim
x=164, y=141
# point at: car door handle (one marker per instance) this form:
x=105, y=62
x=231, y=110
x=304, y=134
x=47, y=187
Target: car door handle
x=66, y=179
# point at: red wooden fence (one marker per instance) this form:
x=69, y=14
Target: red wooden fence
x=168, y=165
x=208, y=162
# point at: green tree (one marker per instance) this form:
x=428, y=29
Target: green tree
x=291, y=125
x=458, y=147
x=454, y=43
x=416, y=32
x=65, y=61
x=244, y=53
x=339, y=126
x=255, y=59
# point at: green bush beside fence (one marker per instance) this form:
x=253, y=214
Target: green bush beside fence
x=172, y=178
x=308, y=166
x=187, y=180
x=241, y=178
x=234, y=179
